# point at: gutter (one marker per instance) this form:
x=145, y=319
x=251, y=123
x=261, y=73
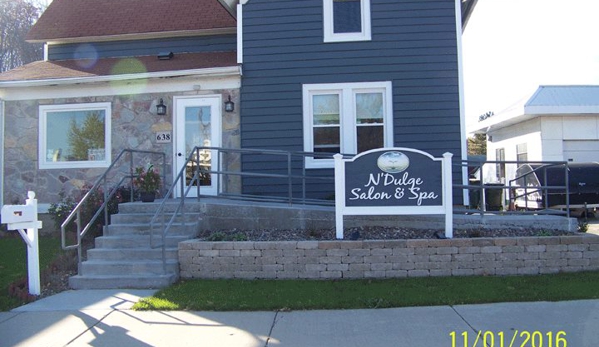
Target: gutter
x=136, y=36
x=209, y=72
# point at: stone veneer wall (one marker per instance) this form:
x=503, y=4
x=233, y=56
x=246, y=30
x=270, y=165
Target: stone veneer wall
x=134, y=124
x=389, y=258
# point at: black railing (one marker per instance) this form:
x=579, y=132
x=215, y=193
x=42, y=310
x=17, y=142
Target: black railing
x=518, y=192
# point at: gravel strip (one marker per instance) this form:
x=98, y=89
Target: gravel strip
x=365, y=233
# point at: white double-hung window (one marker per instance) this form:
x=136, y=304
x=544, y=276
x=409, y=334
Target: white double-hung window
x=346, y=20
x=346, y=118
x=74, y=136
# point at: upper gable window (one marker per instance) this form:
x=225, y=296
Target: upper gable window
x=346, y=20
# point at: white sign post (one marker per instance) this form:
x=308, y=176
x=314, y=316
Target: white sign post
x=393, y=181
x=21, y=218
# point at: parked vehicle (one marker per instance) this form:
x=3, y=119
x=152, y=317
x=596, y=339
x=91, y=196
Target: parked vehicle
x=574, y=186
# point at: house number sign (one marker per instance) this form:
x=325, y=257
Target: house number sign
x=393, y=181
x=164, y=137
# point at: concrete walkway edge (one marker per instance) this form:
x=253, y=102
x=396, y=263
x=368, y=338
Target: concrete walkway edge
x=104, y=318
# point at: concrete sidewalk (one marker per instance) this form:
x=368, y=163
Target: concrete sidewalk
x=103, y=318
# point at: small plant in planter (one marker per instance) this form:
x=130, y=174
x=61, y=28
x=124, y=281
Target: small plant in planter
x=148, y=182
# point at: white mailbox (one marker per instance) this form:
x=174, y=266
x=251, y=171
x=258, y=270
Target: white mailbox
x=12, y=214
x=23, y=218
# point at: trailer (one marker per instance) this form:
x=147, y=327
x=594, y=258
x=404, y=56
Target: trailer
x=572, y=186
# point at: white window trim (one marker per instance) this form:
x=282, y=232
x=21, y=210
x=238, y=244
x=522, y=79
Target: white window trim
x=348, y=127
x=43, y=126
x=328, y=21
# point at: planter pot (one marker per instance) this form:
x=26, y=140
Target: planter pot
x=147, y=196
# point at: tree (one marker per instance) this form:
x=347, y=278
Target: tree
x=90, y=135
x=16, y=18
x=477, y=144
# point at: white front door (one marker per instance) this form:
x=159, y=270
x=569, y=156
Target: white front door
x=198, y=124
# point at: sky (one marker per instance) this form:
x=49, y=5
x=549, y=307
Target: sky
x=510, y=47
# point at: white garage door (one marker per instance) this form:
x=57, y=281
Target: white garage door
x=581, y=151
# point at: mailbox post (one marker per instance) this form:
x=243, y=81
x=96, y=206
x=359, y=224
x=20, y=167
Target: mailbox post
x=21, y=218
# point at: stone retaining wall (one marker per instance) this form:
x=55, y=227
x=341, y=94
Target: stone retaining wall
x=389, y=258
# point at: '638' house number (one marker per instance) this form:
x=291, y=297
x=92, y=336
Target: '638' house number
x=164, y=137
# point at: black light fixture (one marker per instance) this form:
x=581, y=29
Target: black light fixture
x=161, y=108
x=165, y=55
x=229, y=105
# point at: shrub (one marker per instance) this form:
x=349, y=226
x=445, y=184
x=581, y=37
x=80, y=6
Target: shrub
x=222, y=236
x=61, y=210
x=147, y=180
x=583, y=227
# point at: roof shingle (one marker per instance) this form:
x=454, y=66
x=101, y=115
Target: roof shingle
x=71, y=19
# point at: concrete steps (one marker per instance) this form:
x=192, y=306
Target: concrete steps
x=124, y=257
x=130, y=281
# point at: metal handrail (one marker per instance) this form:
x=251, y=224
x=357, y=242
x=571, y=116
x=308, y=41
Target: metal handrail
x=158, y=221
x=482, y=186
x=102, y=181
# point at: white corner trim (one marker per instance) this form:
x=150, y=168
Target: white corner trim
x=240, y=33
x=1, y=152
x=463, y=135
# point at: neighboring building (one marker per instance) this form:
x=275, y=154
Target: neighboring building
x=558, y=123
x=310, y=75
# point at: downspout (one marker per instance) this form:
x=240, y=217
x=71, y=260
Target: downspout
x=464, y=147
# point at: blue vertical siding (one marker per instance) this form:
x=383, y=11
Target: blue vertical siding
x=413, y=44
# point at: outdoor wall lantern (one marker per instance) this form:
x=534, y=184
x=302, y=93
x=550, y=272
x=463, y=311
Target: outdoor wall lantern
x=165, y=55
x=161, y=108
x=229, y=105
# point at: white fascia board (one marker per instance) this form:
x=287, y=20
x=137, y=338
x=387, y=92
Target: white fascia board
x=218, y=71
x=549, y=110
x=498, y=122
x=182, y=84
x=518, y=115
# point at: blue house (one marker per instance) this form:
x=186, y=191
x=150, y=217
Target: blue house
x=330, y=76
x=318, y=76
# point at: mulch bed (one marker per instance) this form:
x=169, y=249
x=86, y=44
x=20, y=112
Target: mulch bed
x=365, y=233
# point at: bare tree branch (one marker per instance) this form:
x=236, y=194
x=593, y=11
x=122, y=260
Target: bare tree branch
x=16, y=18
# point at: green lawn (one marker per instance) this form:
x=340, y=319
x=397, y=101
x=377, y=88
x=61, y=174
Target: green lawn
x=13, y=263
x=246, y=295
